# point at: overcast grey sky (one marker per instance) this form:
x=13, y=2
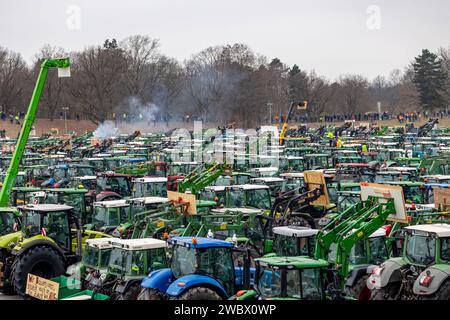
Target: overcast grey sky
x=334, y=37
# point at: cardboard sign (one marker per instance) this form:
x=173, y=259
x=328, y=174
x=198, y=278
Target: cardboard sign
x=441, y=198
x=178, y=197
x=316, y=179
x=387, y=192
x=41, y=288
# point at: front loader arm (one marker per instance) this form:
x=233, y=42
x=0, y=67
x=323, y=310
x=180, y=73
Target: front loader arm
x=13, y=169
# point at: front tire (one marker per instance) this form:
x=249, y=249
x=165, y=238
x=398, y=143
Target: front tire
x=199, y=293
x=359, y=290
x=41, y=261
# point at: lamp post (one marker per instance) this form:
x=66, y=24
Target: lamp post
x=65, y=117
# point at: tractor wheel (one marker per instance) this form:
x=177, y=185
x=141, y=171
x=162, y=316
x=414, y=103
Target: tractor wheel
x=443, y=293
x=386, y=293
x=41, y=261
x=149, y=294
x=359, y=290
x=200, y=293
x=132, y=293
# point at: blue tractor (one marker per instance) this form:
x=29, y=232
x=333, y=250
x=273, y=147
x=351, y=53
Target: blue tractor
x=201, y=269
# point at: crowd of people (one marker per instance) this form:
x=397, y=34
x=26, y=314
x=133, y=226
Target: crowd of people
x=403, y=117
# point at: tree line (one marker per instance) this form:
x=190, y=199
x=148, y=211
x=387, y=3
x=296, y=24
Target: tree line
x=226, y=83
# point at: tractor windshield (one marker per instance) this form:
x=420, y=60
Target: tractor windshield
x=153, y=189
x=91, y=256
x=269, y=282
x=184, y=261
x=115, y=184
x=420, y=249
x=358, y=254
x=258, y=198
x=32, y=224
x=112, y=216
x=445, y=249
x=378, y=250
x=6, y=223
x=292, y=246
x=217, y=263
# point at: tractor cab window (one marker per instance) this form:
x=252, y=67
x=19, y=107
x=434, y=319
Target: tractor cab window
x=237, y=198
x=183, y=261
x=58, y=228
x=358, y=253
x=218, y=263
x=421, y=249
x=258, y=198
x=157, y=259
x=6, y=223
x=32, y=224
x=378, y=250
x=445, y=249
x=311, y=284
x=91, y=256
x=59, y=174
x=137, y=263
x=269, y=282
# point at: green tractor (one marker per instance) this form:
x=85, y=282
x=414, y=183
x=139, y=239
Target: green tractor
x=130, y=262
x=422, y=272
x=287, y=278
x=45, y=246
x=94, y=262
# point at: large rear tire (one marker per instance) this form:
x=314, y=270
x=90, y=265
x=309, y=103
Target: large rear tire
x=149, y=294
x=359, y=290
x=41, y=261
x=199, y=293
x=386, y=293
x=132, y=293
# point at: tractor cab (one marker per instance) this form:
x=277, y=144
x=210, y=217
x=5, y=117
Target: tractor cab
x=23, y=195
x=275, y=184
x=382, y=176
x=314, y=161
x=10, y=220
x=200, y=269
x=288, y=278
x=131, y=261
x=37, y=174
x=94, y=261
x=354, y=172
x=419, y=271
x=84, y=182
x=239, y=196
x=111, y=186
x=291, y=163
x=48, y=221
x=77, y=198
x=264, y=172
x=294, y=241
x=107, y=215
x=292, y=180
x=149, y=187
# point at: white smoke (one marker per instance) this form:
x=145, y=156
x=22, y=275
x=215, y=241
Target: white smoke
x=141, y=111
x=106, y=130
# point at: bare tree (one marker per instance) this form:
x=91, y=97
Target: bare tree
x=13, y=74
x=97, y=75
x=52, y=96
